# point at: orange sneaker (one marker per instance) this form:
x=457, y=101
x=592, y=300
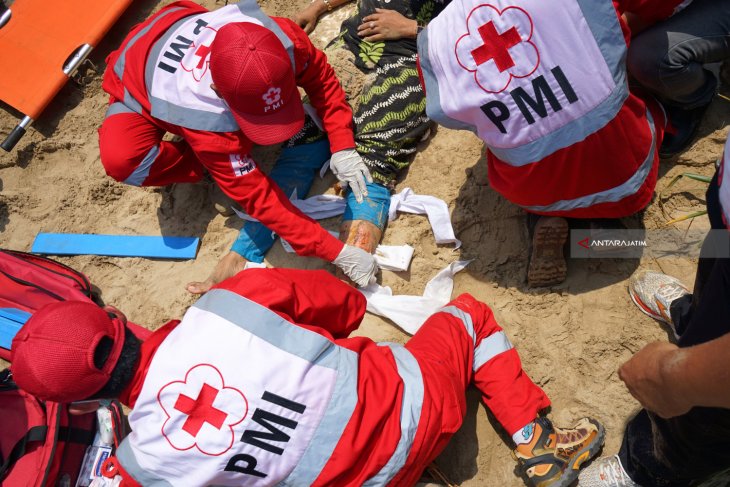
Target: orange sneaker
x=554, y=455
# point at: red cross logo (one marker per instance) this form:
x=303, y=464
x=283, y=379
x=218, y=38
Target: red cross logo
x=193, y=421
x=197, y=58
x=202, y=52
x=497, y=46
x=200, y=410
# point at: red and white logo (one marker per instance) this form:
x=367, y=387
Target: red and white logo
x=197, y=61
x=272, y=96
x=497, y=46
x=201, y=411
x=242, y=164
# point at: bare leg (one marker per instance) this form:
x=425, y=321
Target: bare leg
x=230, y=265
x=361, y=233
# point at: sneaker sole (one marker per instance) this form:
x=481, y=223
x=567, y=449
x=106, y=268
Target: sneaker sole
x=547, y=265
x=570, y=475
x=644, y=308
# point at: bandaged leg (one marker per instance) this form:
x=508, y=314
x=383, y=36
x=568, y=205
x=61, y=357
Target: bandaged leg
x=363, y=223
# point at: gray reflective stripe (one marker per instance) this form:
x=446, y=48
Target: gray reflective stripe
x=141, y=172
x=131, y=102
x=630, y=187
x=117, y=108
x=310, y=346
x=121, y=60
x=126, y=457
x=201, y=119
x=191, y=118
x=410, y=413
x=606, y=29
x=490, y=347
x=465, y=319
x=433, y=97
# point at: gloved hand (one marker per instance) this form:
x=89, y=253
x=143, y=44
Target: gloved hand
x=350, y=169
x=358, y=265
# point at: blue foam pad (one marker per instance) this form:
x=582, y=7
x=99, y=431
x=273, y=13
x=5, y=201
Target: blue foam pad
x=11, y=319
x=116, y=245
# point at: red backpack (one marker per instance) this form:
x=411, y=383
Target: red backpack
x=29, y=282
x=41, y=444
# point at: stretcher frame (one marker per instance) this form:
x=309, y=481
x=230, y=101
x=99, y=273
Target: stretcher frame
x=75, y=58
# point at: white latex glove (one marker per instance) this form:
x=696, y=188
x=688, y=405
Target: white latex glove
x=358, y=265
x=350, y=169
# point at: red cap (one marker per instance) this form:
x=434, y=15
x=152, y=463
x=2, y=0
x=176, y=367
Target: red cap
x=252, y=72
x=52, y=356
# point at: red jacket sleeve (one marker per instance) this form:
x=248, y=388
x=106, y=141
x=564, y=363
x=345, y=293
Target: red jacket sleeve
x=226, y=157
x=651, y=11
x=315, y=300
x=318, y=79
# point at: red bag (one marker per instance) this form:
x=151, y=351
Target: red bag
x=34, y=281
x=29, y=282
x=41, y=444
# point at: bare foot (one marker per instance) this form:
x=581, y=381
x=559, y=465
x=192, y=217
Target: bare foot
x=230, y=265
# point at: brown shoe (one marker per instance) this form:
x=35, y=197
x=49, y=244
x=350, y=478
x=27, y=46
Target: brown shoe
x=554, y=455
x=547, y=265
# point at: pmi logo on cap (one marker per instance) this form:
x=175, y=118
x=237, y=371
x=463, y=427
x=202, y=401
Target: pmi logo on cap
x=273, y=99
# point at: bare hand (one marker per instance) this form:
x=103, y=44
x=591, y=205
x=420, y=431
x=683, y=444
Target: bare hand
x=648, y=376
x=307, y=18
x=387, y=25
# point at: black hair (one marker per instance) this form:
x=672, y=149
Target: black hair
x=124, y=369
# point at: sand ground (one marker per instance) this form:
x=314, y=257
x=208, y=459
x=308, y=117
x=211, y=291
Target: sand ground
x=571, y=337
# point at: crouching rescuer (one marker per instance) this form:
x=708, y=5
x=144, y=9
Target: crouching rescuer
x=221, y=81
x=260, y=384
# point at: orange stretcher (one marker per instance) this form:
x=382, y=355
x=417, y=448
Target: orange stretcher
x=43, y=43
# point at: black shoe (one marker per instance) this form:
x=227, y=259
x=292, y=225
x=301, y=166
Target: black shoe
x=681, y=130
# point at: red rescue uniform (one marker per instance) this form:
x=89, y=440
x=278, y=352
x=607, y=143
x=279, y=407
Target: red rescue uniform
x=545, y=86
x=130, y=139
x=260, y=384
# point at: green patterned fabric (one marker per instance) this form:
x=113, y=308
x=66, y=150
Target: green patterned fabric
x=390, y=118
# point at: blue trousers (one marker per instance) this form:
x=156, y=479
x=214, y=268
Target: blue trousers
x=296, y=168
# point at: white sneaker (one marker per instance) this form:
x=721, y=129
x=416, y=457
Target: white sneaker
x=653, y=292
x=606, y=472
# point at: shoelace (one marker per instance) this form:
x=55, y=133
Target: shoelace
x=612, y=472
x=669, y=292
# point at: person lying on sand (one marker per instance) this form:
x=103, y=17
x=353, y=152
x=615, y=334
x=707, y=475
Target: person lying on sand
x=259, y=383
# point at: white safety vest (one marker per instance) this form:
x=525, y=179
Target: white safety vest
x=236, y=395
x=177, y=73
x=529, y=77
